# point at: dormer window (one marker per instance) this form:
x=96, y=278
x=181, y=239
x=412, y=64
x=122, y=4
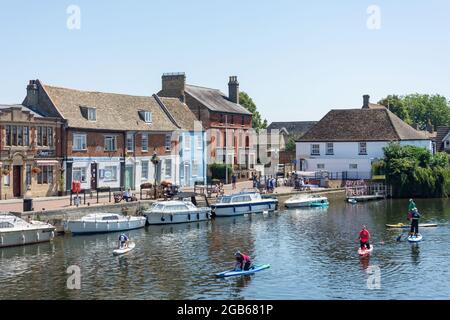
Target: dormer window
x=146, y=116
x=92, y=114
x=89, y=113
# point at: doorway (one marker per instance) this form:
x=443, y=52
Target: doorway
x=129, y=177
x=17, y=181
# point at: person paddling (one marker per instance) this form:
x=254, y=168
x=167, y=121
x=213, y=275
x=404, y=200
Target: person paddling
x=415, y=217
x=123, y=240
x=411, y=207
x=242, y=261
x=364, y=237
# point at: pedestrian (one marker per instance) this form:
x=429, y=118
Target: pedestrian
x=233, y=180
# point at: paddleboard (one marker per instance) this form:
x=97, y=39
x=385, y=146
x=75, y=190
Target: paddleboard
x=407, y=226
x=128, y=248
x=415, y=239
x=231, y=273
x=365, y=252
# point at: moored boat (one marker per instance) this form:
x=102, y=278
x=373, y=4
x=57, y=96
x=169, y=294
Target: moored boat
x=103, y=223
x=170, y=212
x=15, y=231
x=304, y=200
x=243, y=203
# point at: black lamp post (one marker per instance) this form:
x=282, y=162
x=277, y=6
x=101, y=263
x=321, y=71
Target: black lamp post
x=155, y=160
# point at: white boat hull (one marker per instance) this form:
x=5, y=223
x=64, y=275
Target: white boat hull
x=229, y=210
x=90, y=227
x=28, y=236
x=165, y=218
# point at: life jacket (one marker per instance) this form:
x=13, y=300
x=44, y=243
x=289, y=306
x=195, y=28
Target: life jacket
x=364, y=235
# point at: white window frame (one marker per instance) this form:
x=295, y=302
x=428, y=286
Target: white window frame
x=144, y=135
x=145, y=164
x=147, y=117
x=83, y=138
x=113, y=169
x=321, y=166
x=168, y=168
x=313, y=148
x=195, y=169
x=330, y=148
x=92, y=114
x=353, y=166
x=130, y=136
x=362, y=148
x=83, y=172
x=187, y=142
x=114, y=142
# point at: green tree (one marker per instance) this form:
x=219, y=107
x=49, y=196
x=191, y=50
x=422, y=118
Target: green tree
x=290, y=144
x=420, y=109
x=415, y=172
x=257, y=123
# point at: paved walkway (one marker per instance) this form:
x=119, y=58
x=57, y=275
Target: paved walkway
x=53, y=203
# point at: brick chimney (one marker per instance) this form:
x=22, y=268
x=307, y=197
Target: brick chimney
x=173, y=85
x=366, y=101
x=32, y=93
x=233, y=89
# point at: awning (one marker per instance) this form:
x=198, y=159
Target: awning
x=47, y=162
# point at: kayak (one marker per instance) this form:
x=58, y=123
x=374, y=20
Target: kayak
x=231, y=273
x=417, y=238
x=365, y=252
x=407, y=226
x=124, y=250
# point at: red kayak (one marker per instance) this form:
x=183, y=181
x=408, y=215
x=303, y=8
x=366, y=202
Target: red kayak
x=365, y=252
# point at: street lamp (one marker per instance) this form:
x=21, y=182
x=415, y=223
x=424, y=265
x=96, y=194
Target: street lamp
x=155, y=160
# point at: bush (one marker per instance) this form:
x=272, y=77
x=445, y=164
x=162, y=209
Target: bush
x=218, y=170
x=415, y=172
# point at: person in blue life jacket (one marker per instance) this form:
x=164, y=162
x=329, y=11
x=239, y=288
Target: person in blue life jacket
x=415, y=217
x=123, y=240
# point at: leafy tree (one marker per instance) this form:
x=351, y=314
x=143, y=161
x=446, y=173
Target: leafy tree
x=420, y=109
x=290, y=144
x=257, y=123
x=415, y=172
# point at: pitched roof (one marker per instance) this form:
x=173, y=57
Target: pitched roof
x=22, y=107
x=293, y=128
x=181, y=113
x=214, y=100
x=441, y=133
x=373, y=124
x=114, y=111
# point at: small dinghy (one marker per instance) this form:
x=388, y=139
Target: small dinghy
x=414, y=239
x=231, y=273
x=365, y=252
x=130, y=246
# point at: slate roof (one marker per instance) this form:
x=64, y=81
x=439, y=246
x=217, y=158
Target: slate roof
x=114, y=111
x=181, y=113
x=293, y=128
x=440, y=135
x=24, y=108
x=214, y=100
x=373, y=124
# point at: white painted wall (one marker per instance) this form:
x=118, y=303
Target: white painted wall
x=346, y=153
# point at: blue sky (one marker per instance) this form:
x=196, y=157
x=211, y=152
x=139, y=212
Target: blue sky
x=296, y=59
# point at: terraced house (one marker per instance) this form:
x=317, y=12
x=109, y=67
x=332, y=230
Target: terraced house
x=109, y=139
x=30, y=152
x=227, y=123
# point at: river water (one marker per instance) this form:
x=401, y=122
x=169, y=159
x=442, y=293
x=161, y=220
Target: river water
x=312, y=253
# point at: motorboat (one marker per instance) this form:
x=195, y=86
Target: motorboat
x=15, y=231
x=243, y=203
x=304, y=200
x=103, y=223
x=175, y=211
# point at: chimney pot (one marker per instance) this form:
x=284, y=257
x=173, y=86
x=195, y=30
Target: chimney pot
x=366, y=101
x=233, y=89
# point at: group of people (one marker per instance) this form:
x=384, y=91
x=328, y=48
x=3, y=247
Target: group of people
x=413, y=215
